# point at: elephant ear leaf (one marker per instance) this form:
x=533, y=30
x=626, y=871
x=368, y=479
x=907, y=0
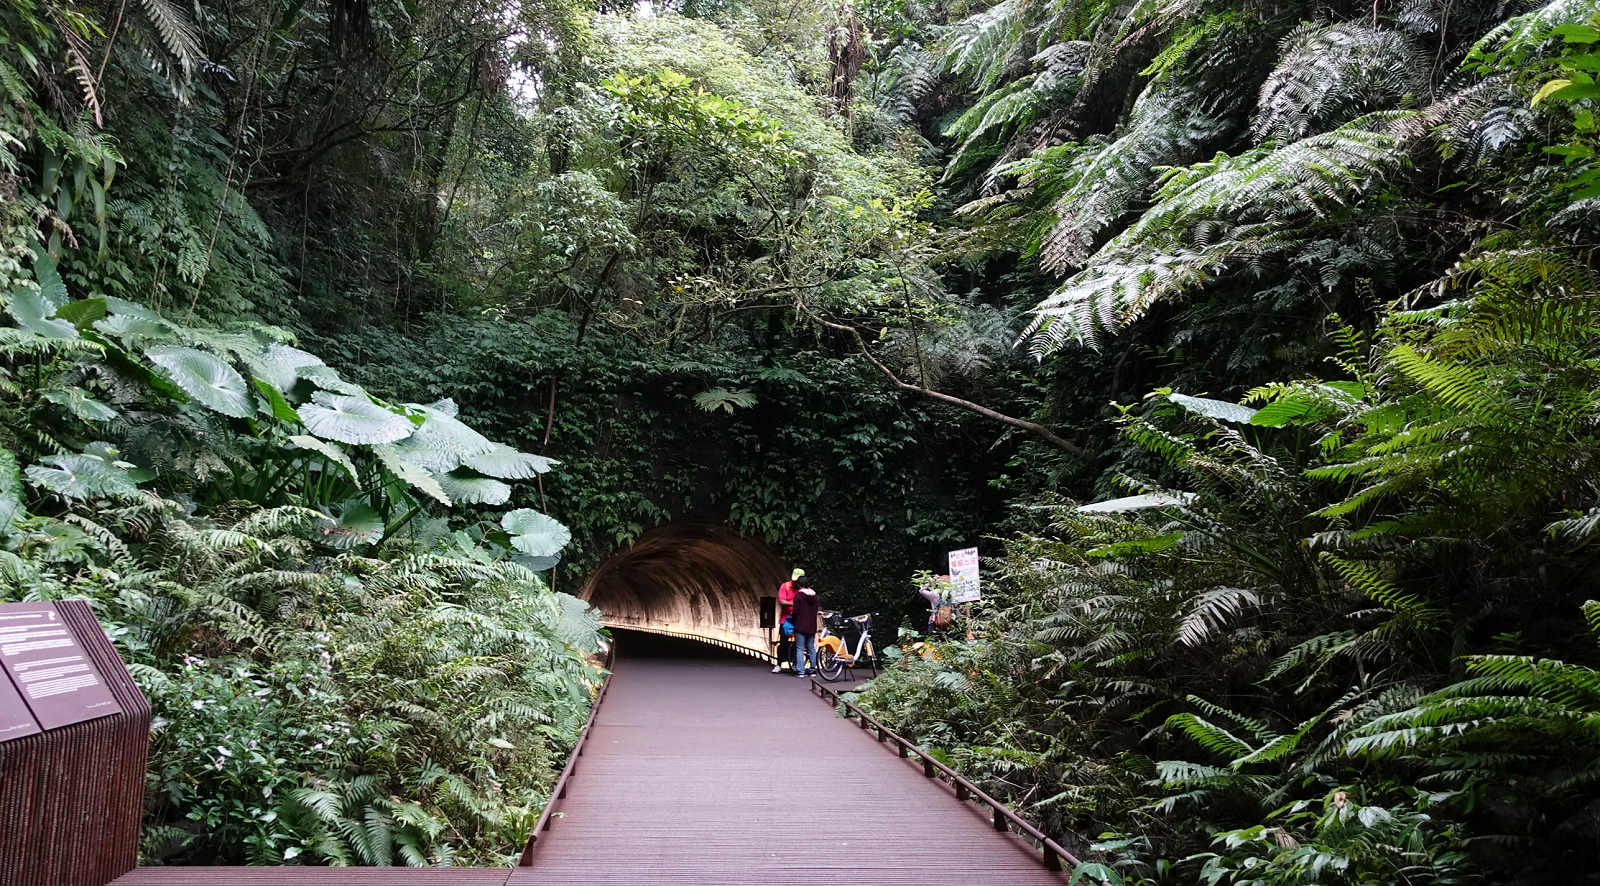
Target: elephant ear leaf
x=468, y=490
x=443, y=442
x=78, y=402
x=206, y=378
x=34, y=312
x=94, y=473
x=83, y=313
x=1220, y=410
x=537, y=537
x=355, y=524
x=1138, y=503
x=280, y=365
x=329, y=451
x=35, y=309
x=501, y=461
x=352, y=418
x=410, y=474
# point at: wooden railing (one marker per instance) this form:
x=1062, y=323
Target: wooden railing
x=1003, y=818
x=558, y=791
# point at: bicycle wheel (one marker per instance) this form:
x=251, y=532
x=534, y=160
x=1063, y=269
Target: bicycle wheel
x=828, y=664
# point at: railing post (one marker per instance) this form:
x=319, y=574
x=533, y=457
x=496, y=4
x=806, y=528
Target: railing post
x=927, y=766
x=961, y=791
x=999, y=820
x=1052, y=861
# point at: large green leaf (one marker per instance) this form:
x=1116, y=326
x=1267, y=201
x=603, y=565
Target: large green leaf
x=51, y=286
x=82, y=313
x=351, y=418
x=327, y=378
x=442, y=443
x=500, y=460
x=1138, y=503
x=94, y=473
x=579, y=624
x=131, y=320
x=275, y=405
x=78, y=402
x=1220, y=410
x=281, y=365
x=206, y=378
x=412, y=475
x=356, y=523
x=535, y=534
x=468, y=490
x=330, y=451
x=35, y=313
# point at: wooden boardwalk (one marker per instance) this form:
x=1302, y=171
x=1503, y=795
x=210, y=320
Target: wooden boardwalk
x=704, y=768
x=707, y=769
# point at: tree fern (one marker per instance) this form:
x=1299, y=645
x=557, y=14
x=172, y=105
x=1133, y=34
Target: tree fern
x=1330, y=74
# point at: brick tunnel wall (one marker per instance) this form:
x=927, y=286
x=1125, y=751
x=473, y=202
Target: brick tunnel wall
x=699, y=579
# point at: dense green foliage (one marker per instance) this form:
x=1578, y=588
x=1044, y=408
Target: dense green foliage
x=1302, y=299
x=1334, y=633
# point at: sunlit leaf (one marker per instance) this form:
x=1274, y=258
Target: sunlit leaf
x=410, y=474
x=77, y=402
x=353, y=419
x=469, y=490
x=1138, y=503
x=330, y=451
x=205, y=377
x=94, y=473
x=506, y=463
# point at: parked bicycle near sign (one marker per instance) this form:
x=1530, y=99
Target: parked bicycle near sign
x=834, y=654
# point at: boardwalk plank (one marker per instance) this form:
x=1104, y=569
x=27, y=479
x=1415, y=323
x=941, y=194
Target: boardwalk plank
x=713, y=770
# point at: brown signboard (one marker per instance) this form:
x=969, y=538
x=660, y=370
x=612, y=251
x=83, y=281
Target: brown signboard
x=16, y=721
x=48, y=668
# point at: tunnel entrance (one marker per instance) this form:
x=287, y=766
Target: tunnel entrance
x=691, y=579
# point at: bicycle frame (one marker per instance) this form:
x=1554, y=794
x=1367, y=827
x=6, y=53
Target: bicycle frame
x=841, y=650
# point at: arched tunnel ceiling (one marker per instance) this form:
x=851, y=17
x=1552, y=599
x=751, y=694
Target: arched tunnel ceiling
x=696, y=578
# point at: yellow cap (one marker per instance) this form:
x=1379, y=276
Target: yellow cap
x=796, y=574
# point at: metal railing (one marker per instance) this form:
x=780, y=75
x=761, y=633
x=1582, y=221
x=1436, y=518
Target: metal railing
x=558, y=791
x=1001, y=816
x=753, y=652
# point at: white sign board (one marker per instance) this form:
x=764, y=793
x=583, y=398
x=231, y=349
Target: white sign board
x=964, y=575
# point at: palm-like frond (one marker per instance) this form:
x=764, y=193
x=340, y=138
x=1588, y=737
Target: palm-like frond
x=1330, y=74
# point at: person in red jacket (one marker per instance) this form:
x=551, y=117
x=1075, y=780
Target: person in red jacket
x=805, y=628
x=785, y=606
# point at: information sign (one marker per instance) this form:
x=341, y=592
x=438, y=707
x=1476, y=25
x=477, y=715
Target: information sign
x=964, y=576
x=48, y=667
x=16, y=721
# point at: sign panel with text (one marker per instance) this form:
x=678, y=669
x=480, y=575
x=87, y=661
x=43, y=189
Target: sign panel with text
x=16, y=721
x=48, y=668
x=964, y=576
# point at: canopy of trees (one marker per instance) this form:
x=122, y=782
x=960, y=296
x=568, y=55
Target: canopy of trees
x=1263, y=340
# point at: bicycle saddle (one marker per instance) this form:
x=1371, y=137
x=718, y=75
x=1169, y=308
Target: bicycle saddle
x=861, y=619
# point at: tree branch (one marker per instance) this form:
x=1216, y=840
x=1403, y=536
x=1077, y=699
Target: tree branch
x=1039, y=430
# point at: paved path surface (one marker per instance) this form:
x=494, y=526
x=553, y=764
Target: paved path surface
x=711, y=770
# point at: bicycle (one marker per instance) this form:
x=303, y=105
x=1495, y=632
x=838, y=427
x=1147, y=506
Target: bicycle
x=834, y=654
